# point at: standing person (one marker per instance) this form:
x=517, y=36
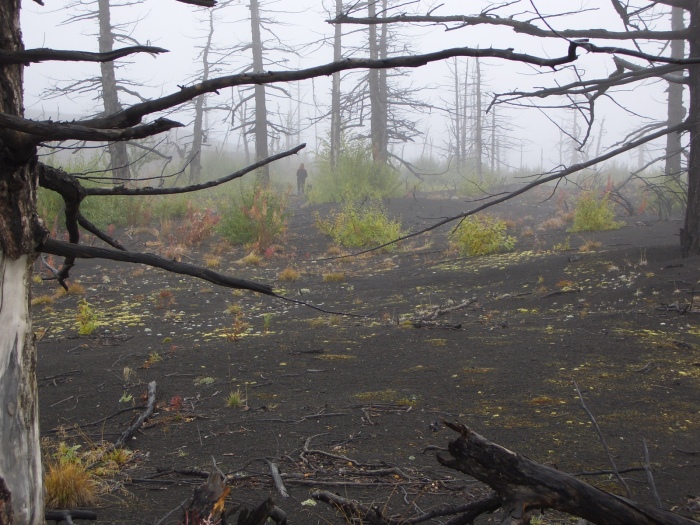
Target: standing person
x=301, y=179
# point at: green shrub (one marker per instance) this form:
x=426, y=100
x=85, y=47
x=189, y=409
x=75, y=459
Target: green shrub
x=360, y=226
x=257, y=217
x=356, y=176
x=594, y=213
x=482, y=235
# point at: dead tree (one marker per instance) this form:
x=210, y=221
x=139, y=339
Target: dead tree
x=23, y=235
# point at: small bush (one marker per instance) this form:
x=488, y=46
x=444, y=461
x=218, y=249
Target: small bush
x=593, y=213
x=361, y=226
x=87, y=318
x=356, y=176
x=257, y=218
x=482, y=235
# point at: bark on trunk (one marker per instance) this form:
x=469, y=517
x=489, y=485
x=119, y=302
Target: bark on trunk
x=478, y=133
x=336, y=119
x=20, y=231
x=118, y=155
x=199, y=109
x=690, y=233
x=676, y=111
x=377, y=91
x=261, y=147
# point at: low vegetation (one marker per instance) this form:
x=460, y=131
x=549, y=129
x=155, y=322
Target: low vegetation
x=594, y=213
x=482, y=235
x=360, y=226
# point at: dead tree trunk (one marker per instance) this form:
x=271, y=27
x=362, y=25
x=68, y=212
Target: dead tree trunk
x=261, y=147
x=118, y=155
x=676, y=111
x=690, y=233
x=479, y=129
x=336, y=118
x=526, y=487
x=378, y=90
x=21, y=494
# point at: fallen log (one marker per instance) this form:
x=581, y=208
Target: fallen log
x=526, y=487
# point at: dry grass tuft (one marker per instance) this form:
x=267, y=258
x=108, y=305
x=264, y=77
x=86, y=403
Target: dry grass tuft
x=212, y=261
x=289, y=275
x=333, y=277
x=69, y=485
x=252, y=259
x=43, y=300
x=589, y=245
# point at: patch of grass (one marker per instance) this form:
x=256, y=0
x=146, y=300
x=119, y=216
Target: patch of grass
x=590, y=245
x=333, y=277
x=562, y=246
x=234, y=309
x=361, y=226
x=43, y=300
x=69, y=485
x=289, y=275
x=212, y=261
x=594, y=213
x=252, y=259
x=204, y=380
x=482, y=235
x=235, y=399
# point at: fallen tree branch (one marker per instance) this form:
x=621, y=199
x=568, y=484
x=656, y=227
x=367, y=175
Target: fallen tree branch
x=526, y=486
x=129, y=432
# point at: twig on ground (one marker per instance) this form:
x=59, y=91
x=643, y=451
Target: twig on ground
x=650, y=475
x=602, y=440
x=277, y=479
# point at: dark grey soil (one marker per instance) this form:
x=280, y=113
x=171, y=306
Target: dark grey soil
x=619, y=321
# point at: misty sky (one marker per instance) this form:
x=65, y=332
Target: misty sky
x=301, y=25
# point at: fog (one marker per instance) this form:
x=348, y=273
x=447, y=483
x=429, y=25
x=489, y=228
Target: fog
x=530, y=134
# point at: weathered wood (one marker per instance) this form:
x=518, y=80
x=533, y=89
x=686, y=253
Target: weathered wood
x=129, y=432
x=526, y=486
x=261, y=513
x=20, y=457
x=277, y=479
x=208, y=501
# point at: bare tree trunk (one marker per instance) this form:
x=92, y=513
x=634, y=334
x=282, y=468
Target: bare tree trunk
x=336, y=117
x=261, y=147
x=199, y=109
x=494, y=143
x=377, y=90
x=478, y=135
x=20, y=459
x=690, y=233
x=465, y=100
x=457, y=118
x=676, y=111
x=118, y=156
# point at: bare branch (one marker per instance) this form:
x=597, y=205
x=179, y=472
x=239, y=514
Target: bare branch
x=28, y=56
x=122, y=190
x=201, y=3
x=518, y=26
x=69, y=250
x=133, y=115
x=47, y=130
